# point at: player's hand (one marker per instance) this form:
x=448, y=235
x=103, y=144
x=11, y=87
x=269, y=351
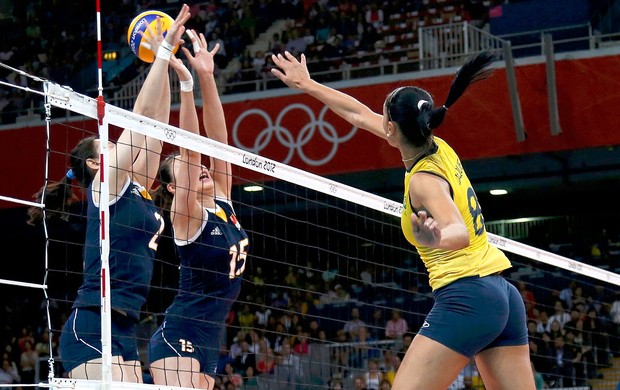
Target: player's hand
x=180, y=68
x=291, y=71
x=202, y=60
x=425, y=229
x=177, y=28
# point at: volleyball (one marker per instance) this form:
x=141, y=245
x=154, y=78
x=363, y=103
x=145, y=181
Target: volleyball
x=141, y=23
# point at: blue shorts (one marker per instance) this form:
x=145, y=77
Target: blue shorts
x=184, y=337
x=80, y=340
x=473, y=314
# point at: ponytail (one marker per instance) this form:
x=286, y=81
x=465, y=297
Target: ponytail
x=414, y=110
x=474, y=69
x=57, y=198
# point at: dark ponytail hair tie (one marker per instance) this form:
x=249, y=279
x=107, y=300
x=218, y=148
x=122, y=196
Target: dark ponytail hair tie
x=70, y=175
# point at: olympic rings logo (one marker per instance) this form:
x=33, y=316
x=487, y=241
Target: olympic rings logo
x=170, y=134
x=285, y=136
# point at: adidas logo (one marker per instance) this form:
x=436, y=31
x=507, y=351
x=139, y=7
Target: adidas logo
x=426, y=324
x=216, y=231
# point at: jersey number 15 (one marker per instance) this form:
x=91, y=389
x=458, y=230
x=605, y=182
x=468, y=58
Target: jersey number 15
x=238, y=254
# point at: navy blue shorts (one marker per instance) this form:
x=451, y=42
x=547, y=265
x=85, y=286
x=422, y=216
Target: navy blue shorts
x=473, y=314
x=80, y=340
x=185, y=337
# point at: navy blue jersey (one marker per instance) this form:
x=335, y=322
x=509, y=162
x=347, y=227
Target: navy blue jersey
x=212, y=263
x=135, y=226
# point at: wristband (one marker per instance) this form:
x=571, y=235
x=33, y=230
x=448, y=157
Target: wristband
x=167, y=45
x=164, y=53
x=187, y=85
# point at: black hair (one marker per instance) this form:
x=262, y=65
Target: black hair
x=413, y=109
x=59, y=196
x=165, y=175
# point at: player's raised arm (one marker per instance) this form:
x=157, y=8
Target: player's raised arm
x=154, y=98
x=294, y=73
x=213, y=113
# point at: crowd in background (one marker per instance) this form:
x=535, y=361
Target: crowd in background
x=344, y=324
x=36, y=42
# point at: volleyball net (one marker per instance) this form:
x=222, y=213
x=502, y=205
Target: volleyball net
x=328, y=268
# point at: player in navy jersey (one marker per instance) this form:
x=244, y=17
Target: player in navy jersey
x=134, y=228
x=211, y=244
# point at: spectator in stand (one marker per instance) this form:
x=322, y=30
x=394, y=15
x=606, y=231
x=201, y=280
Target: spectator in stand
x=301, y=344
x=406, y=341
x=368, y=37
x=9, y=375
x=353, y=324
x=578, y=297
x=245, y=359
x=26, y=336
x=231, y=377
x=599, y=333
x=28, y=361
x=296, y=43
x=43, y=345
x=373, y=376
x=246, y=318
x=528, y=299
x=542, y=322
x=614, y=331
x=275, y=44
x=265, y=358
x=566, y=294
x=329, y=296
x=555, y=330
x=363, y=349
x=374, y=15
x=376, y=325
x=262, y=315
x=359, y=383
x=221, y=57
x=396, y=327
x=560, y=315
x=562, y=362
x=390, y=371
x=336, y=384
x=287, y=369
x=538, y=347
x=385, y=385
x=224, y=358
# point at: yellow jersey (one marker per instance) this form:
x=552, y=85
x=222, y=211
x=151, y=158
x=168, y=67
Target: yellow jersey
x=479, y=258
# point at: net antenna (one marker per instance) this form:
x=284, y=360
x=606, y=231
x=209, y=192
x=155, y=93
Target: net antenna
x=104, y=226
x=119, y=117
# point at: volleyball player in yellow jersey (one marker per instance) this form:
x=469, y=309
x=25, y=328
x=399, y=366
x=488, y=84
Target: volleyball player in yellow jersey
x=476, y=313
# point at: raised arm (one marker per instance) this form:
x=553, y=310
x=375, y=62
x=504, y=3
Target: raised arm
x=212, y=111
x=295, y=74
x=186, y=210
x=154, y=100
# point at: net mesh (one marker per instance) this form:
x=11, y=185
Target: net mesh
x=328, y=268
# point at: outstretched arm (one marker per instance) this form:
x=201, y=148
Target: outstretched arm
x=212, y=111
x=186, y=211
x=295, y=74
x=153, y=100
